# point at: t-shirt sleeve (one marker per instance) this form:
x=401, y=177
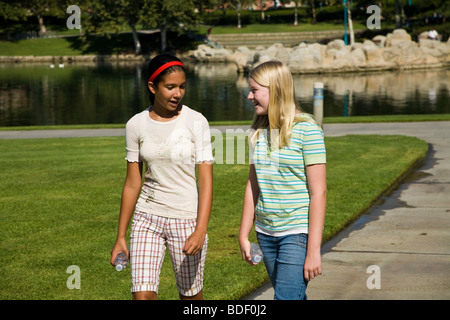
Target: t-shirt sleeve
x=312, y=138
x=203, y=149
x=132, y=140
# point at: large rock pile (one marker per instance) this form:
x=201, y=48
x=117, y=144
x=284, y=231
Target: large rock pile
x=394, y=51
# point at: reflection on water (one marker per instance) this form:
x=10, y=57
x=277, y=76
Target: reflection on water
x=87, y=94
x=381, y=93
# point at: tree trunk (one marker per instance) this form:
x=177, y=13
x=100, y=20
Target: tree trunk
x=42, y=29
x=313, y=9
x=296, y=14
x=163, y=38
x=350, y=26
x=398, y=23
x=137, y=43
x=239, y=19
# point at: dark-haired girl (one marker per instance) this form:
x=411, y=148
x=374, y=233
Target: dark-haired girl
x=173, y=141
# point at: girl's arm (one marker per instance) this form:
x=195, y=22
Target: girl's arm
x=205, y=184
x=130, y=194
x=248, y=214
x=316, y=175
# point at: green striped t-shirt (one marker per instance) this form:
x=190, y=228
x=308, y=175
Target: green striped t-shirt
x=283, y=203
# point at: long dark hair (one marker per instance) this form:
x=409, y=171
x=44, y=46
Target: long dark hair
x=154, y=65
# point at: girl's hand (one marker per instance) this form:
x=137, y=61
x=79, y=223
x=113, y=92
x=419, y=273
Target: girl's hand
x=119, y=246
x=313, y=266
x=245, y=251
x=194, y=243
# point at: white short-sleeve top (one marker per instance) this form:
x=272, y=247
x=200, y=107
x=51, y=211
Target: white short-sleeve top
x=170, y=151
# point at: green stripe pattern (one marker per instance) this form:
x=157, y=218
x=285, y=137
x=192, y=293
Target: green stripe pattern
x=284, y=198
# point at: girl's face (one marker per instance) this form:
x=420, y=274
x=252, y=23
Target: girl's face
x=259, y=95
x=169, y=91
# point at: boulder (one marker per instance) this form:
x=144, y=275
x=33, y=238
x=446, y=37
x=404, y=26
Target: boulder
x=394, y=51
x=397, y=37
x=358, y=57
x=379, y=40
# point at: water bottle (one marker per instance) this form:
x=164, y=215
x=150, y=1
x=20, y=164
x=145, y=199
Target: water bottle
x=256, y=253
x=121, y=261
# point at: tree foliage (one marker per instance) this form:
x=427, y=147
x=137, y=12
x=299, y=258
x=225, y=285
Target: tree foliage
x=109, y=16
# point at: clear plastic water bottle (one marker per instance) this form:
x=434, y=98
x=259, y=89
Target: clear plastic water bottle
x=256, y=253
x=121, y=261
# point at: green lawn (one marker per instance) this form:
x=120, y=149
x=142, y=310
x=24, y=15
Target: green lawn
x=60, y=200
x=119, y=43
x=68, y=46
x=273, y=28
x=39, y=47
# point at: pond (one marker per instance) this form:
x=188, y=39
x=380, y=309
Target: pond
x=40, y=94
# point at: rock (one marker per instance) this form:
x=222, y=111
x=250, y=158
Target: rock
x=379, y=40
x=396, y=37
x=337, y=44
x=423, y=35
x=394, y=51
x=358, y=57
x=243, y=49
x=307, y=57
x=374, y=57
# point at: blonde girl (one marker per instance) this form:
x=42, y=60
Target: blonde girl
x=285, y=195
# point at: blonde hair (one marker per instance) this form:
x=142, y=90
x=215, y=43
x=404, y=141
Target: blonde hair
x=283, y=108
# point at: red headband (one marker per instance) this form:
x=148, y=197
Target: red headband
x=164, y=67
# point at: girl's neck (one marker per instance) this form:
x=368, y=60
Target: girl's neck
x=162, y=114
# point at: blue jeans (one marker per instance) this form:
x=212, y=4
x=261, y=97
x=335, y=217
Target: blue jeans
x=284, y=258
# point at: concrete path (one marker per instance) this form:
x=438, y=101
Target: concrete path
x=401, y=250
x=403, y=245
x=78, y=133
x=69, y=133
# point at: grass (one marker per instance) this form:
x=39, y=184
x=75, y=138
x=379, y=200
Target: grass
x=120, y=43
x=68, y=46
x=39, y=47
x=60, y=200
x=273, y=28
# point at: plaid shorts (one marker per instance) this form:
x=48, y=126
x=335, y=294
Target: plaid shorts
x=149, y=236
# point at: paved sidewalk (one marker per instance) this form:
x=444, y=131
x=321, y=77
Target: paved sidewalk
x=79, y=133
x=405, y=241
x=69, y=133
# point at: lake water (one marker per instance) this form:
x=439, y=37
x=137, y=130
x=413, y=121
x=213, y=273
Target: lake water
x=37, y=94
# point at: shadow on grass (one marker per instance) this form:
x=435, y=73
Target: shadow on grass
x=122, y=43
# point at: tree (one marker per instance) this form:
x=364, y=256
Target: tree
x=9, y=10
x=175, y=15
x=131, y=11
x=313, y=10
x=237, y=5
x=350, y=25
x=20, y=10
x=261, y=4
x=110, y=15
x=297, y=3
x=348, y=16
x=399, y=14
